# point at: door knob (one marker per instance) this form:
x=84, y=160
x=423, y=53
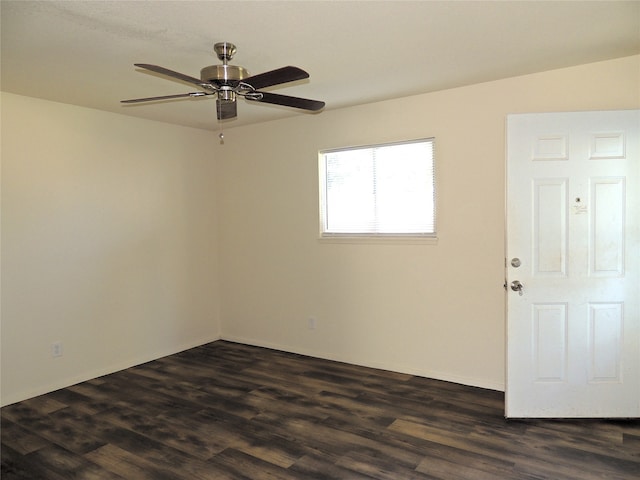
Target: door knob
x=516, y=286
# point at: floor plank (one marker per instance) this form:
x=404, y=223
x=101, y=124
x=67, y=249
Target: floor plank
x=229, y=411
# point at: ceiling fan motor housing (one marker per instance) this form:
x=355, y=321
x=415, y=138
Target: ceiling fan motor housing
x=223, y=75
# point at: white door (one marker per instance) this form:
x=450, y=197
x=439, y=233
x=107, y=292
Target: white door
x=573, y=242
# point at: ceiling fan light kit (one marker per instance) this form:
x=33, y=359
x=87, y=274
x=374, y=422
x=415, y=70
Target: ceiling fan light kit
x=228, y=82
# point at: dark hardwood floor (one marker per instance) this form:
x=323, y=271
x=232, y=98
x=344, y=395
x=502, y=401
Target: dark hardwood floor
x=230, y=411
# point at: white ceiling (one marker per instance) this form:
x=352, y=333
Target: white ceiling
x=82, y=52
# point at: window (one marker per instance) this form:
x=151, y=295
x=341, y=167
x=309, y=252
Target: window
x=378, y=190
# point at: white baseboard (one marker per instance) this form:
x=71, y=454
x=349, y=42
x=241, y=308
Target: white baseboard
x=399, y=368
x=57, y=384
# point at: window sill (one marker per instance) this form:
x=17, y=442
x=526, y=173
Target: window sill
x=380, y=239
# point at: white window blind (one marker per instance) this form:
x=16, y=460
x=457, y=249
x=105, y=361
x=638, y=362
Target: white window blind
x=384, y=189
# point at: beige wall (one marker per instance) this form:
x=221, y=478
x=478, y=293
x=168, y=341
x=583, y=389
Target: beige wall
x=108, y=243
x=433, y=310
x=128, y=240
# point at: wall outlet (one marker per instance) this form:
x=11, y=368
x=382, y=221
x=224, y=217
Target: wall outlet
x=56, y=349
x=312, y=323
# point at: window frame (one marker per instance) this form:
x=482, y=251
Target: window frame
x=366, y=237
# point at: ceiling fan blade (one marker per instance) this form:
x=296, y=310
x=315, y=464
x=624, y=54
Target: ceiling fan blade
x=287, y=101
x=226, y=109
x=176, y=75
x=166, y=97
x=275, y=77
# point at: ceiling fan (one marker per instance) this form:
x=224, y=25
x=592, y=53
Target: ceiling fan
x=228, y=82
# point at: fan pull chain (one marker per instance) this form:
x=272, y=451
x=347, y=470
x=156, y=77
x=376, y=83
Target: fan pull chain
x=221, y=134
